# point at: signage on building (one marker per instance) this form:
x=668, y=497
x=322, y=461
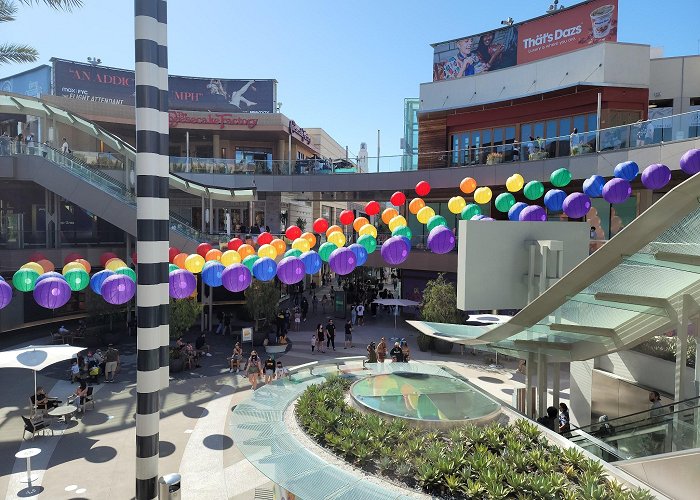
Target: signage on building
x=116, y=86
x=222, y=120
x=562, y=31
x=297, y=130
x=33, y=83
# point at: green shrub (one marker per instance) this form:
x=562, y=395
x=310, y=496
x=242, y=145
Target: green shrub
x=425, y=342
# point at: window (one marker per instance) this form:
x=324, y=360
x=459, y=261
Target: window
x=510, y=135
x=465, y=149
x=580, y=123
x=539, y=130
x=498, y=138
x=695, y=101
x=455, y=149
x=565, y=126
x=592, y=122
x=474, y=147
x=525, y=132
x=662, y=103
x=551, y=134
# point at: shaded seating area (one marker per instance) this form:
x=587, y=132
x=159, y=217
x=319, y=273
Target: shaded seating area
x=34, y=427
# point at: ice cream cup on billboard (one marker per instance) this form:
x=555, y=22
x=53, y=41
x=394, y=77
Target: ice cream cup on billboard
x=601, y=19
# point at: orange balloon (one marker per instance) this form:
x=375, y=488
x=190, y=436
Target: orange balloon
x=389, y=214
x=415, y=205
x=359, y=222
x=85, y=264
x=311, y=238
x=279, y=245
x=333, y=229
x=213, y=254
x=468, y=185
x=179, y=260
x=245, y=250
x=47, y=265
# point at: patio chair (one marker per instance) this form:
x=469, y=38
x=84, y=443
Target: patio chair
x=34, y=427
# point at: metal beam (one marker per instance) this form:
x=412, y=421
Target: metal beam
x=586, y=330
x=17, y=104
x=560, y=346
x=592, y=299
x=49, y=111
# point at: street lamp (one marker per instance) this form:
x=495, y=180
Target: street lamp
x=507, y=22
x=94, y=60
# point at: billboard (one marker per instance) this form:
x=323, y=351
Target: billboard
x=116, y=86
x=565, y=30
x=33, y=83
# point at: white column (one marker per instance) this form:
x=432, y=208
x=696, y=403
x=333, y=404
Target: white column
x=529, y=375
x=541, y=384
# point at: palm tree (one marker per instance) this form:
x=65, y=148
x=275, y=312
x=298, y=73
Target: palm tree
x=20, y=53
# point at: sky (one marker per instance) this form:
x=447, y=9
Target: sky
x=342, y=66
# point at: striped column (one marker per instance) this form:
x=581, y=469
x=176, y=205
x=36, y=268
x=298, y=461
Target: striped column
x=152, y=233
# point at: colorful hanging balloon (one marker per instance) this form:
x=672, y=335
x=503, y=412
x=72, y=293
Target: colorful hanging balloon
x=656, y=176
x=359, y=222
x=50, y=274
x=424, y=214
x=515, y=183
x=267, y=251
x=456, y=204
x=194, y=263
x=372, y=208
x=397, y=221
x=265, y=238
x=560, y=177
x=245, y=250
x=72, y=265
x=616, y=190
x=180, y=259
x=182, y=284
x=593, y=186
x=320, y=225
x=504, y=201
x=576, y=205
x=213, y=254
x=24, y=279
x=212, y=273
x=250, y=261
x=115, y=264
x=264, y=269
x=99, y=278
x=368, y=230
x=333, y=229
x=627, y=170
x=388, y=214
x=301, y=244
x=172, y=267
x=311, y=238
x=346, y=217
x=397, y=199
x=105, y=257
x=470, y=211
x=126, y=271
x=52, y=293
x=423, y=188
x=342, y=261
x=5, y=294
x=203, y=248
x=468, y=185
x=326, y=250
x=236, y=278
x=290, y=270
x=118, y=289
x=172, y=253
x=34, y=267
x=690, y=162
x=483, y=195
x=312, y=262
x=293, y=232
x=394, y=250
x=533, y=190
x=441, y=240
x=554, y=200
x=337, y=238
x=279, y=245
x=402, y=231
x=533, y=213
x=85, y=264
x=368, y=241
x=360, y=253
x=71, y=257
x=514, y=212
x=435, y=221
x=47, y=265
x=292, y=252
x=77, y=279
x=415, y=205
x=36, y=256
x=230, y=257
x=235, y=243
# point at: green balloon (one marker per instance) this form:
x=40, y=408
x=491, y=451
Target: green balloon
x=504, y=201
x=326, y=250
x=399, y=231
x=25, y=279
x=369, y=242
x=560, y=177
x=533, y=190
x=292, y=252
x=249, y=261
x=77, y=279
x=172, y=267
x=127, y=271
x=470, y=211
x=435, y=221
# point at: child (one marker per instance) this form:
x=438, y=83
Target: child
x=313, y=342
x=281, y=371
x=74, y=371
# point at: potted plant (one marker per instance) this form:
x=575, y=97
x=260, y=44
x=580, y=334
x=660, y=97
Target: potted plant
x=538, y=155
x=440, y=306
x=493, y=158
x=177, y=361
x=301, y=223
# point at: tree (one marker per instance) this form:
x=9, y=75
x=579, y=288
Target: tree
x=439, y=306
x=301, y=223
x=21, y=53
x=262, y=298
x=183, y=314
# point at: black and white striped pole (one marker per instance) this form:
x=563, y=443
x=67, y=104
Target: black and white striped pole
x=152, y=233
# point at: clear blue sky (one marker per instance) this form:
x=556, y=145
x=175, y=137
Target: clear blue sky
x=343, y=66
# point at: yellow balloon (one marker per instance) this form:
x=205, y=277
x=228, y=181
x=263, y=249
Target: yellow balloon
x=302, y=244
x=194, y=263
x=424, y=214
x=482, y=195
x=72, y=265
x=337, y=238
x=267, y=251
x=456, y=204
x=115, y=264
x=34, y=267
x=397, y=221
x=311, y=238
x=515, y=183
x=230, y=257
x=368, y=229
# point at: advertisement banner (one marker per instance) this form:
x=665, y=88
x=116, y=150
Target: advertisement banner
x=32, y=83
x=565, y=30
x=116, y=86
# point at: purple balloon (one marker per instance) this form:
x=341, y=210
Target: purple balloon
x=52, y=293
x=576, y=205
x=118, y=289
x=514, y=212
x=690, y=162
x=487, y=219
x=616, y=190
x=236, y=278
x=290, y=270
x=5, y=294
x=441, y=240
x=478, y=217
x=342, y=261
x=593, y=186
x=656, y=176
x=394, y=250
x=182, y=284
x=533, y=213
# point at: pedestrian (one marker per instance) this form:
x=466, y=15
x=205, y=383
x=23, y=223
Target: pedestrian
x=396, y=353
x=297, y=319
x=314, y=303
x=281, y=371
x=111, y=363
x=269, y=370
x=381, y=350
x=65, y=148
x=550, y=419
x=330, y=330
x=371, y=353
x=324, y=303
x=287, y=319
x=564, y=420
x=227, y=324
x=353, y=314
x=314, y=340
x=236, y=358
x=304, y=309
x=220, y=319
x=360, y=310
x=406, y=351
x=279, y=323
x=320, y=337
x=348, y=334
x=253, y=369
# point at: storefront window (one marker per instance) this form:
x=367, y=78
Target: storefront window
x=464, y=154
x=260, y=158
x=580, y=123
x=475, y=144
x=455, y=149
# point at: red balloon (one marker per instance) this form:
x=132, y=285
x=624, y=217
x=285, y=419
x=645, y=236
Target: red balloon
x=397, y=199
x=264, y=239
x=69, y=258
x=172, y=252
x=203, y=248
x=372, y=208
x=234, y=243
x=36, y=257
x=133, y=257
x=320, y=226
x=293, y=232
x=106, y=256
x=422, y=188
x=346, y=217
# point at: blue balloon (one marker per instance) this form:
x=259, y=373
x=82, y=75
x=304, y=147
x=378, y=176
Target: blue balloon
x=99, y=278
x=627, y=170
x=407, y=241
x=593, y=186
x=554, y=200
x=312, y=262
x=360, y=253
x=212, y=273
x=514, y=212
x=265, y=269
x=50, y=274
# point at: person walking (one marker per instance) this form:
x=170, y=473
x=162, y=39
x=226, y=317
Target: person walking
x=304, y=309
x=324, y=303
x=314, y=303
x=330, y=330
x=269, y=370
x=111, y=363
x=348, y=334
x=65, y=148
x=353, y=314
x=371, y=353
x=320, y=337
x=360, y=309
x=297, y=319
x=253, y=369
x=381, y=350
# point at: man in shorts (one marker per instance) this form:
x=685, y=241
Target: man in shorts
x=360, y=309
x=111, y=363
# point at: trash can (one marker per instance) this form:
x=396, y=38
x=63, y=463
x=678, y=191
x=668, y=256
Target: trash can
x=169, y=487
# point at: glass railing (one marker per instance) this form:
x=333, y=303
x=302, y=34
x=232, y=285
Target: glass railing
x=112, y=161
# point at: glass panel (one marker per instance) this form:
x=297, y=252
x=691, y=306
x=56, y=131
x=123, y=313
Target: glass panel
x=539, y=130
x=592, y=122
x=580, y=123
x=465, y=149
x=485, y=145
x=455, y=149
x=622, y=214
x=509, y=141
x=551, y=142
x=475, y=145
x=526, y=132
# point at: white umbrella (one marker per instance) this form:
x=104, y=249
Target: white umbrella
x=398, y=303
x=37, y=357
